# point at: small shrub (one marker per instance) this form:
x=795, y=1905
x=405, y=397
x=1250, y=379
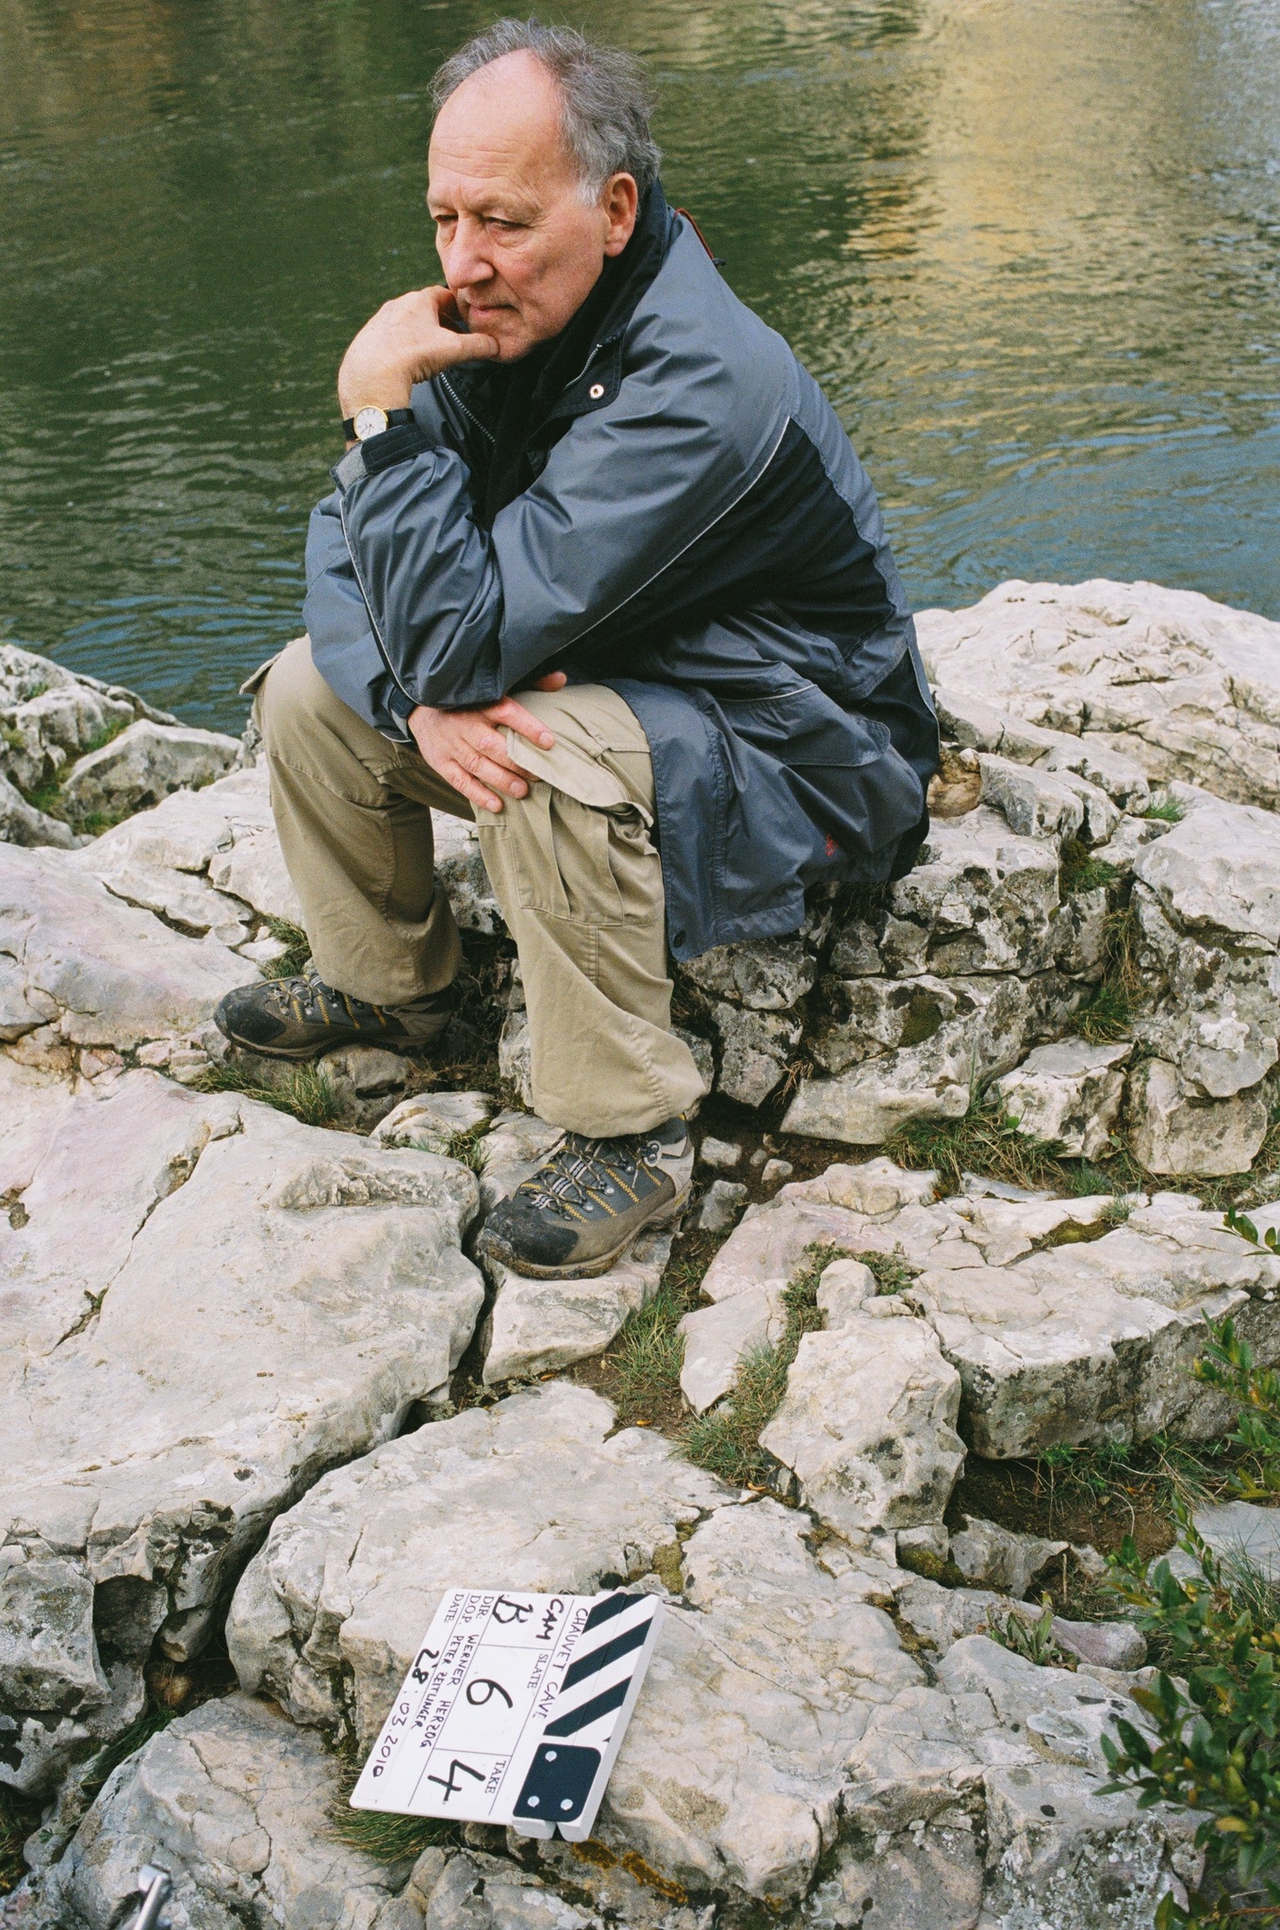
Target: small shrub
x=1080, y=871
x=1034, y=1641
x=890, y=1271
x=1214, y=1705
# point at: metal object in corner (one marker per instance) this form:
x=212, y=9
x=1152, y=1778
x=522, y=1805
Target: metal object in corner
x=157, y=1887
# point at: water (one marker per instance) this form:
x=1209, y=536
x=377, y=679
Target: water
x=1030, y=247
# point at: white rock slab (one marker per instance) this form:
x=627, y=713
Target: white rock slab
x=108, y=974
x=718, y=1338
x=1242, y=1531
x=868, y=1425
x=538, y=1326
x=235, y=1303
x=50, y=714
x=233, y=1801
x=732, y=1769
x=431, y=1120
x=1068, y=1093
x=1183, y=686
x=1217, y=873
x=22, y=823
x=144, y=763
x=533, y=1492
x=1174, y=1129
x=1033, y=802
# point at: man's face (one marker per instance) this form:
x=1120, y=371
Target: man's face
x=520, y=248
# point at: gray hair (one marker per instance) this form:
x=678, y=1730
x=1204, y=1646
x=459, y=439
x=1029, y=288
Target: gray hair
x=605, y=99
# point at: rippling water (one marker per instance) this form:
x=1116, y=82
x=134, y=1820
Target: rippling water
x=1030, y=247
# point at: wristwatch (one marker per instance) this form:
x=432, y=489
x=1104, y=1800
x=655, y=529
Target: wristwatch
x=372, y=421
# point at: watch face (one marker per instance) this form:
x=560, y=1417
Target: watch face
x=370, y=422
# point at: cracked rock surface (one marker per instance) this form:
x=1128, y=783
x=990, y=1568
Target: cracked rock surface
x=255, y=1301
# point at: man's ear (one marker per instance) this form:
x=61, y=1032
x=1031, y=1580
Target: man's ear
x=620, y=201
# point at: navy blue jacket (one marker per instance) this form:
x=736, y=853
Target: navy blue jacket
x=664, y=501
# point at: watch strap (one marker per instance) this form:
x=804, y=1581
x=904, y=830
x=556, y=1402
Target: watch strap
x=396, y=418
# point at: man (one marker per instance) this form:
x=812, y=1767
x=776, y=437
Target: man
x=584, y=472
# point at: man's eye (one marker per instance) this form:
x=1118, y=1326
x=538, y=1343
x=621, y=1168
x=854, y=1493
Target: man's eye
x=506, y=227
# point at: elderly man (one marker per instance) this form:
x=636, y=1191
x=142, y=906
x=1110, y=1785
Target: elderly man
x=581, y=471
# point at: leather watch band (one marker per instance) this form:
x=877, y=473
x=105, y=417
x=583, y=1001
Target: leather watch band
x=395, y=419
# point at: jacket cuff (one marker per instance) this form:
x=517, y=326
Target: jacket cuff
x=400, y=706
x=400, y=444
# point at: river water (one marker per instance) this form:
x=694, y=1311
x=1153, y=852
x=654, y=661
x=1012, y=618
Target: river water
x=1031, y=248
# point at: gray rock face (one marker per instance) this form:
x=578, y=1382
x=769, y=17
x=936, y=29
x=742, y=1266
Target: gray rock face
x=74, y=956
x=234, y=1802
x=1068, y=1093
x=328, y=1616
x=431, y=1121
x=144, y=763
x=538, y=1326
x=1182, y=686
x=1239, y=1531
x=201, y=858
x=765, y=975
x=996, y=1557
x=460, y=869
x=1173, y=1129
x=253, y=1301
x=50, y=716
x=867, y=1424
x=22, y=823
x=1082, y=1341
x=724, y=1201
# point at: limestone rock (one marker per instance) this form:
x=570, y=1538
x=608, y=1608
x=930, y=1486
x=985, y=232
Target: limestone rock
x=1060, y=1331
x=719, y=1337
x=144, y=763
x=70, y=952
x=1068, y=1093
x=245, y=1302
x=981, y=899
x=515, y=1054
x=1242, y=1531
x=774, y=1173
x=731, y=1771
x=539, y=1326
x=1108, y=1645
x=1217, y=873
x=431, y=1121
x=460, y=869
x=478, y=1892
x=721, y=1205
x=1034, y=803
x=1182, y=686
x=764, y=974
x=234, y=1802
x=49, y=715
x=933, y=1080
x=867, y=1425
x=223, y=834
x=1173, y=1130
x=22, y=823
x=328, y=1616
x=863, y=1018
x=723, y=1154
x=930, y=1875
x=755, y=1050
x=996, y=1557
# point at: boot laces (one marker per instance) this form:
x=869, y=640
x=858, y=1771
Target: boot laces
x=583, y=1172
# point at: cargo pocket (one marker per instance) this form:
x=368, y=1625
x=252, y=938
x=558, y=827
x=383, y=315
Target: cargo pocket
x=563, y=858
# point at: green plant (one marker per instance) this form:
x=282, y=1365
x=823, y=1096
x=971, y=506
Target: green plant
x=305, y=1091
x=1109, y=1014
x=1237, y=1222
x=641, y=1371
x=1034, y=1641
x=1213, y=1710
x=889, y=1270
x=297, y=949
x=140, y=1731
x=985, y=1139
x=1080, y=871
x=18, y=1817
x=726, y=1439
x=389, y=1838
x=464, y=1146
x=1228, y=1364
x=1166, y=810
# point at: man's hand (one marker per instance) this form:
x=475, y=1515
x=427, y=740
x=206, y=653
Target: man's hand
x=468, y=750
x=405, y=342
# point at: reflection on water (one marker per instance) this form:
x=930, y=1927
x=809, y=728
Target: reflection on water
x=1030, y=247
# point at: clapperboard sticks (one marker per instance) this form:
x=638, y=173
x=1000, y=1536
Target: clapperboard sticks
x=566, y=1781
x=514, y=1710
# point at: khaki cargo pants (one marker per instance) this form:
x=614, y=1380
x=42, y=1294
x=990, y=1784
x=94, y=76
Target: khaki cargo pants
x=572, y=865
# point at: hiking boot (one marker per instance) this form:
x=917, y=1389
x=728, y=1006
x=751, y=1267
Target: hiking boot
x=580, y=1212
x=296, y=1018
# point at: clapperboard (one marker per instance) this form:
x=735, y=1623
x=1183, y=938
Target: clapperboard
x=514, y=1710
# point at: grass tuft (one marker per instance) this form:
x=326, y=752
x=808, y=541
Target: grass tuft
x=296, y=953
x=306, y=1092
x=726, y=1440
x=140, y=1731
x=1080, y=871
x=387, y=1838
x=1166, y=810
x=984, y=1140
x=1034, y=1641
x=890, y=1271
x=1109, y=1015
x=19, y=1815
x=641, y=1371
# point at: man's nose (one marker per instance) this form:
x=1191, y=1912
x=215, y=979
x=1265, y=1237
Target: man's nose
x=466, y=257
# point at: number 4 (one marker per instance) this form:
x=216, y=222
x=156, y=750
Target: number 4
x=451, y=1788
